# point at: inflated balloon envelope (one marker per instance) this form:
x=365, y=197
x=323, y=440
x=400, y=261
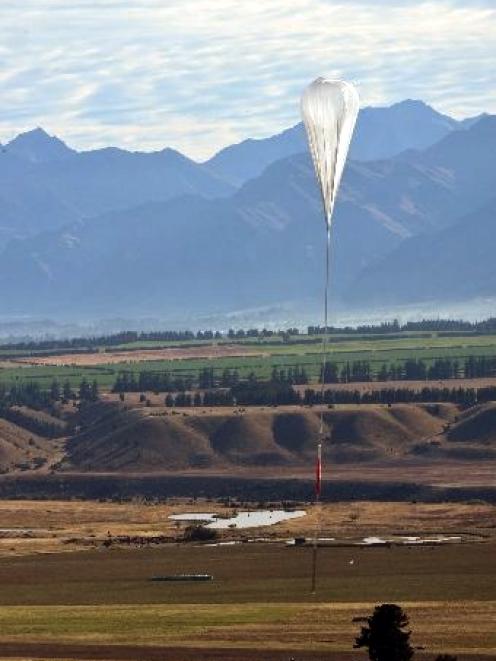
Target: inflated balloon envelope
x=329, y=109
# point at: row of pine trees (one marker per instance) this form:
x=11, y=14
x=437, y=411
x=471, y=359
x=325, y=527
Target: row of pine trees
x=357, y=371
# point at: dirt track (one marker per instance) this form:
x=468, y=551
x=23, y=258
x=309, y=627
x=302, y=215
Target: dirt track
x=145, y=653
x=125, y=652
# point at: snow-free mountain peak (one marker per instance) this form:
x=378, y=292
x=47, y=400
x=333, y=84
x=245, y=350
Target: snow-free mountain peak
x=381, y=132
x=37, y=146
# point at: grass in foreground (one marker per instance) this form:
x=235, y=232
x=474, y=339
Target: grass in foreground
x=437, y=626
x=260, y=596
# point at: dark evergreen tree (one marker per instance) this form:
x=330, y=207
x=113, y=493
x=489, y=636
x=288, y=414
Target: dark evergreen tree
x=84, y=391
x=414, y=370
x=330, y=373
x=345, y=376
x=67, y=392
x=94, y=394
x=55, y=391
x=302, y=376
x=206, y=378
x=360, y=371
x=225, y=380
x=386, y=636
x=383, y=374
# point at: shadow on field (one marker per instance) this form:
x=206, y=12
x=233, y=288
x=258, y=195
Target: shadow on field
x=145, y=653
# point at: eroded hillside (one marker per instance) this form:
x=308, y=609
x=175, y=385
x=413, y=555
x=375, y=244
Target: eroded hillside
x=110, y=436
x=114, y=437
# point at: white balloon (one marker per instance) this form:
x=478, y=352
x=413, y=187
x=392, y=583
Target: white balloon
x=329, y=109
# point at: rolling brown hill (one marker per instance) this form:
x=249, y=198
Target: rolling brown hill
x=21, y=449
x=474, y=434
x=115, y=438
x=122, y=438
x=478, y=425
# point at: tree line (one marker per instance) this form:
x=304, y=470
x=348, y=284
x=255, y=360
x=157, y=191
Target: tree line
x=32, y=395
x=206, y=379
x=411, y=370
x=129, y=337
x=249, y=392
x=154, y=381
x=269, y=394
x=463, y=396
x=277, y=394
x=427, y=325
x=350, y=372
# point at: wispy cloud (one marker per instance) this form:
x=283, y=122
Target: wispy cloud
x=198, y=74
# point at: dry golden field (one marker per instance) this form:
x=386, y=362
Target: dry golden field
x=90, y=359
x=68, y=593
x=28, y=527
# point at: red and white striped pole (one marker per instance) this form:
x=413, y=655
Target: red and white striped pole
x=318, y=484
x=318, y=472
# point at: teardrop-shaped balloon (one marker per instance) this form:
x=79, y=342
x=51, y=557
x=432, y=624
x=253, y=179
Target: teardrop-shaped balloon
x=329, y=109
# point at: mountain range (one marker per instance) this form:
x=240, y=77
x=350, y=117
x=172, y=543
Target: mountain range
x=110, y=232
x=45, y=185
x=379, y=133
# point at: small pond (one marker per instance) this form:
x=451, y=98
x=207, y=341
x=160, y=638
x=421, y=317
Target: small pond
x=253, y=519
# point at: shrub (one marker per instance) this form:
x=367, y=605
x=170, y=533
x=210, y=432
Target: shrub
x=199, y=533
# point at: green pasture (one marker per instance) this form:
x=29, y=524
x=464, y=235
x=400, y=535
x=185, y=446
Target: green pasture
x=44, y=375
x=437, y=626
x=305, y=352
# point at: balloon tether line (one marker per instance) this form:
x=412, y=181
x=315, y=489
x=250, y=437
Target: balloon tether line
x=322, y=394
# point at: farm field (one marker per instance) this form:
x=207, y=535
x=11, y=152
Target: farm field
x=100, y=603
x=75, y=575
x=33, y=527
x=258, y=356
x=208, y=351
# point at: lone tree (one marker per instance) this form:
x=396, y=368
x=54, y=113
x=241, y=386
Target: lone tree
x=385, y=635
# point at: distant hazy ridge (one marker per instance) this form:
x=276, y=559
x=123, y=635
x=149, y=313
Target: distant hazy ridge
x=114, y=232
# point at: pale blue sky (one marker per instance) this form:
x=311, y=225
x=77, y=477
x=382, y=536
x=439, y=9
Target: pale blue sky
x=200, y=74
